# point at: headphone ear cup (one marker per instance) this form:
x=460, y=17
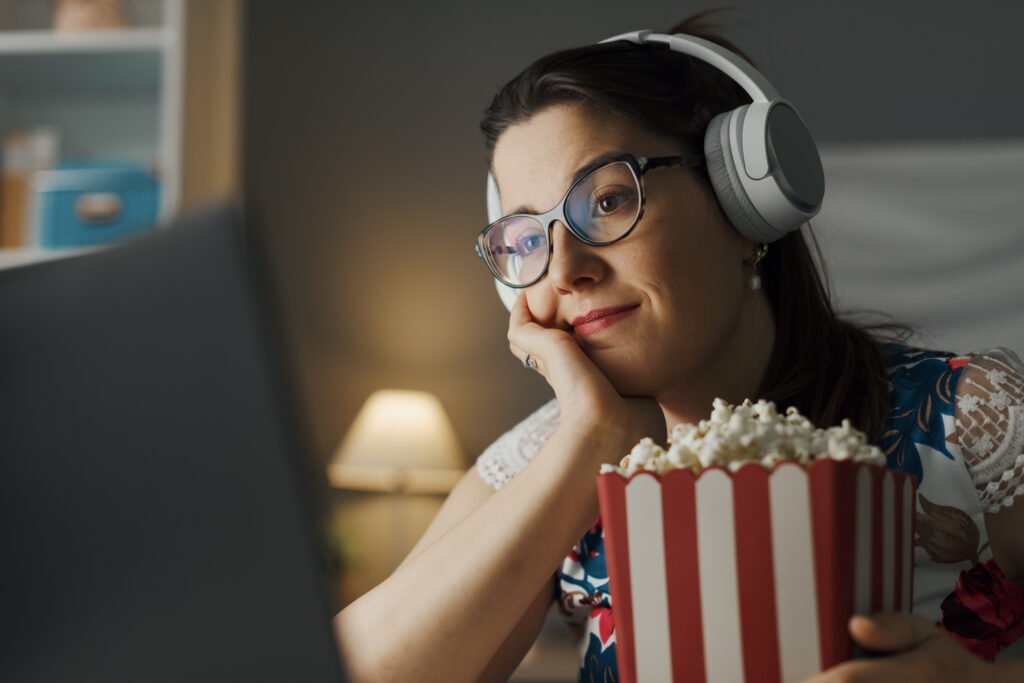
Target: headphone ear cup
x=721, y=163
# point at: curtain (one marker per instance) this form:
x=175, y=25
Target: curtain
x=932, y=234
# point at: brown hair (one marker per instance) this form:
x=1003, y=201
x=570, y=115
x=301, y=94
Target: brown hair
x=829, y=368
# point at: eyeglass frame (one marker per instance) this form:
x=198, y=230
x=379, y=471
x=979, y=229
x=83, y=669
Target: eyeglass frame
x=638, y=167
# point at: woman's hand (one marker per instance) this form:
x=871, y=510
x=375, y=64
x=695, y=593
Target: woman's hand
x=915, y=650
x=586, y=398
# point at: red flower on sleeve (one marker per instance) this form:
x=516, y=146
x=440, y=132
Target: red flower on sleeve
x=986, y=611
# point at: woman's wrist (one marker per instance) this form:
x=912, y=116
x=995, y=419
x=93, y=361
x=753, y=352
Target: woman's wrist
x=598, y=440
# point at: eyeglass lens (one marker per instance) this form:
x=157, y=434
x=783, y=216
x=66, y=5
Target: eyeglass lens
x=602, y=207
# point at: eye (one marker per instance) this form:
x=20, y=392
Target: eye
x=609, y=203
x=609, y=200
x=529, y=243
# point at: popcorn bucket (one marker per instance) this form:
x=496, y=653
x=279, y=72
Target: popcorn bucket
x=752, y=575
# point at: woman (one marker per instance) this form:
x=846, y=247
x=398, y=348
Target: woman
x=674, y=309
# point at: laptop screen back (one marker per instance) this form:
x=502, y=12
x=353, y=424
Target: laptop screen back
x=153, y=511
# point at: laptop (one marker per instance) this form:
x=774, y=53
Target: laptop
x=156, y=516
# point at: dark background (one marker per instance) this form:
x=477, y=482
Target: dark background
x=365, y=165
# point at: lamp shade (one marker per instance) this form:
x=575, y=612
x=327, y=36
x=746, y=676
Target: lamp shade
x=400, y=441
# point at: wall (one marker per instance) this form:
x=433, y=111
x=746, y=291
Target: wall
x=365, y=166
x=213, y=78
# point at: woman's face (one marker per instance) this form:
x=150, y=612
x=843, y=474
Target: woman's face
x=680, y=272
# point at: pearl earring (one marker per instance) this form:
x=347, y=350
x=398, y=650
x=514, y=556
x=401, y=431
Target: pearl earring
x=755, y=279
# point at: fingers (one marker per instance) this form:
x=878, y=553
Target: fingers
x=891, y=631
x=529, y=361
x=916, y=652
x=559, y=358
x=528, y=339
x=520, y=316
x=519, y=319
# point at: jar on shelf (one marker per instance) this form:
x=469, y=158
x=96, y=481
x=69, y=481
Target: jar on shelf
x=88, y=15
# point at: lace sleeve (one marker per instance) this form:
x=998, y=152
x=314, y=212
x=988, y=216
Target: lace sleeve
x=990, y=424
x=514, y=449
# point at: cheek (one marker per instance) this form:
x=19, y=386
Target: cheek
x=701, y=279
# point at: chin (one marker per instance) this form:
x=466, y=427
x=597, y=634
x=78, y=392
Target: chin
x=629, y=379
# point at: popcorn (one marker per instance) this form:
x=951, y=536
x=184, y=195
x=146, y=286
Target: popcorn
x=747, y=433
x=751, y=568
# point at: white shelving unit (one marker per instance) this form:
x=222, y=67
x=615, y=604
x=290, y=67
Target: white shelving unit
x=15, y=42
x=9, y=258
x=113, y=95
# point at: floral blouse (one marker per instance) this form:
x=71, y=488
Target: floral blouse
x=956, y=423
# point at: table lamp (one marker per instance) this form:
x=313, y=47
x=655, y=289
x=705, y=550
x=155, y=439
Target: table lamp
x=399, y=453
x=402, y=442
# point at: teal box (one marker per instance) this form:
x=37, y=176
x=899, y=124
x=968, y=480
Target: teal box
x=82, y=205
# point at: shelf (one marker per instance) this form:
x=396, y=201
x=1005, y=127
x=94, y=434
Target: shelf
x=13, y=258
x=64, y=43
x=41, y=63
x=46, y=76
x=119, y=94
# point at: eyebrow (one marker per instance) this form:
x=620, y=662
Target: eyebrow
x=591, y=165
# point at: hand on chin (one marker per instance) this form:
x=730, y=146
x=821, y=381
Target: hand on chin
x=588, y=379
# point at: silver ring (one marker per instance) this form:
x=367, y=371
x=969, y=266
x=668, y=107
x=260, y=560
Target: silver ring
x=529, y=362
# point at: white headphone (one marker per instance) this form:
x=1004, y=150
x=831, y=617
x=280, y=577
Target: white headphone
x=762, y=161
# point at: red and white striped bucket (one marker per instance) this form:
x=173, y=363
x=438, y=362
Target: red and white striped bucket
x=752, y=576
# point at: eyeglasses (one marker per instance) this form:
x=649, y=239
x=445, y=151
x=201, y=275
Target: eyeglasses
x=601, y=207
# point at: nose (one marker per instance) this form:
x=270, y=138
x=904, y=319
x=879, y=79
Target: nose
x=573, y=263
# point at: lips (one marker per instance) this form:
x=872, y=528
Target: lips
x=601, y=318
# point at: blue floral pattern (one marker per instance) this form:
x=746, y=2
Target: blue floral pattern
x=586, y=601
x=923, y=387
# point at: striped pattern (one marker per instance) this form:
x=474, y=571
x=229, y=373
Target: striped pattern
x=785, y=557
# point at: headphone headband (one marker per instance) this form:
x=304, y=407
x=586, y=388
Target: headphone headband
x=729, y=63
